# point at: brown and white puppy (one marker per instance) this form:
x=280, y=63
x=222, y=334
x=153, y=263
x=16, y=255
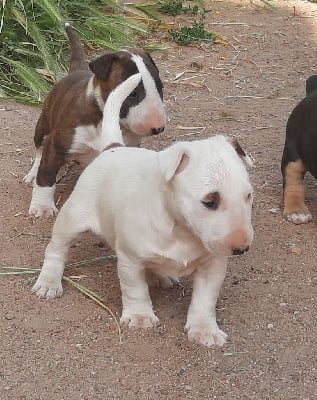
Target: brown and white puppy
x=300, y=154
x=69, y=127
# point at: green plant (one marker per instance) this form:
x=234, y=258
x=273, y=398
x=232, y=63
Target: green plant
x=33, y=44
x=176, y=7
x=194, y=33
x=171, y=7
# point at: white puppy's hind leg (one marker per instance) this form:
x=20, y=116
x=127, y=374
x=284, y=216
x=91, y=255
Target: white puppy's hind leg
x=201, y=319
x=66, y=228
x=137, y=309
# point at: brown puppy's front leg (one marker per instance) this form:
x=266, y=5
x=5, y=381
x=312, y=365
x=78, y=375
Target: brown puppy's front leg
x=53, y=158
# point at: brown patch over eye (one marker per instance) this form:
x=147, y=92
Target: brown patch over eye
x=211, y=200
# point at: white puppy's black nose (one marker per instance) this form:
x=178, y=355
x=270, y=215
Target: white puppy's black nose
x=156, y=131
x=239, y=251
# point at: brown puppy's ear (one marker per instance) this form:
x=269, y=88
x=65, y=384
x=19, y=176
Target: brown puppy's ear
x=102, y=65
x=148, y=60
x=151, y=60
x=246, y=158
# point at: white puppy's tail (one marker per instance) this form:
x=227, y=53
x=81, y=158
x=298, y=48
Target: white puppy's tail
x=110, y=130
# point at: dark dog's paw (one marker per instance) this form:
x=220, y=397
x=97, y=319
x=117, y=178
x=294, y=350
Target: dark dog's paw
x=298, y=218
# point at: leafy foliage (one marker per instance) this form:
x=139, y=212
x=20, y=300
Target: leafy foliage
x=171, y=7
x=34, y=46
x=33, y=42
x=194, y=33
x=176, y=7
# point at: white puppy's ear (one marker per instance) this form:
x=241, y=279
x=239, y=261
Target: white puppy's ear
x=246, y=157
x=173, y=160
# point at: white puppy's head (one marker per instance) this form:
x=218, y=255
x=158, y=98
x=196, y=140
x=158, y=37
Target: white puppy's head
x=210, y=192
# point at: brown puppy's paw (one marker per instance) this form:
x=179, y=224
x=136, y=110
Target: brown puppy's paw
x=39, y=211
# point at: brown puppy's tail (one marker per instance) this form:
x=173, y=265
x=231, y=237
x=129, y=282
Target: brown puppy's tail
x=77, y=55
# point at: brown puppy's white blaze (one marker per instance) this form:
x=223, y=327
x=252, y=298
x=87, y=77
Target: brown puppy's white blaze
x=142, y=112
x=294, y=207
x=146, y=117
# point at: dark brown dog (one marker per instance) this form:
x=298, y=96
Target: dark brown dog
x=300, y=154
x=69, y=127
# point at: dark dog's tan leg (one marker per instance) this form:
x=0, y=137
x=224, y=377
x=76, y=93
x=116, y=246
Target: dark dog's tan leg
x=295, y=210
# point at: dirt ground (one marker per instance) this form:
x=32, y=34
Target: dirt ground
x=69, y=348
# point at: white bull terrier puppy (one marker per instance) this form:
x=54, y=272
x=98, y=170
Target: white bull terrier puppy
x=177, y=212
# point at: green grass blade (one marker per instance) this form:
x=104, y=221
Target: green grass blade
x=51, y=10
x=96, y=299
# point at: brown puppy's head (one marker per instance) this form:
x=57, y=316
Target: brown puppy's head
x=142, y=112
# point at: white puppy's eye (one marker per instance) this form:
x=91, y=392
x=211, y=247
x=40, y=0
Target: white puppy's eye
x=249, y=196
x=211, y=200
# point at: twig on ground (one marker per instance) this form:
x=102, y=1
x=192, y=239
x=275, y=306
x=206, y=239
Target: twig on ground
x=96, y=298
x=258, y=97
x=234, y=353
x=229, y=23
x=188, y=128
x=27, y=234
x=10, y=270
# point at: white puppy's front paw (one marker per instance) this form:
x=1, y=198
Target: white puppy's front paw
x=48, y=287
x=39, y=210
x=206, y=333
x=139, y=321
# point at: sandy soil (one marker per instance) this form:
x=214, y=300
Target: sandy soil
x=69, y=348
